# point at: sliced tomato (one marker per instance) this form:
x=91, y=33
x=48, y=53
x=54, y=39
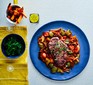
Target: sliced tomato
x=77, y=49
x=46, y=34
x=64, y=37
x=44, y=55
x=71, y=47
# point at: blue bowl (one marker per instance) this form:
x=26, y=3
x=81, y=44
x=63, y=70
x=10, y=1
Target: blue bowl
x=18, y=39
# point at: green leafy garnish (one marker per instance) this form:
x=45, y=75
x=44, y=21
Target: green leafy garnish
x=13, y=47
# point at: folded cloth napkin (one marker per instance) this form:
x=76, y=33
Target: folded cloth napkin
x=13, y=71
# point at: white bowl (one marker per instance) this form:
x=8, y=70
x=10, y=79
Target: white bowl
x=8, y=18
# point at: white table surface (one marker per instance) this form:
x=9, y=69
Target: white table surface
x=78, y=12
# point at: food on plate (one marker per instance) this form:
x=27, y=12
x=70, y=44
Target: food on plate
x=59, y=50
x=34, y=18
x=15, y=13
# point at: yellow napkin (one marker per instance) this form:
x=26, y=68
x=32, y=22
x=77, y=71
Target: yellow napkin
x=13, y=71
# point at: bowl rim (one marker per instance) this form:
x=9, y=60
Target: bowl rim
x=8, y=18
x=13, y=57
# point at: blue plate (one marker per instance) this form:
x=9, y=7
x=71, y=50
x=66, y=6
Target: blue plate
x=84, y=50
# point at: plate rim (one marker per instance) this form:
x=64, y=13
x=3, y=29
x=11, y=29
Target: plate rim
x=84, y=36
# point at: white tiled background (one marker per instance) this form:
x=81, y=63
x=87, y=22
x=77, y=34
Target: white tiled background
x=78, y=12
